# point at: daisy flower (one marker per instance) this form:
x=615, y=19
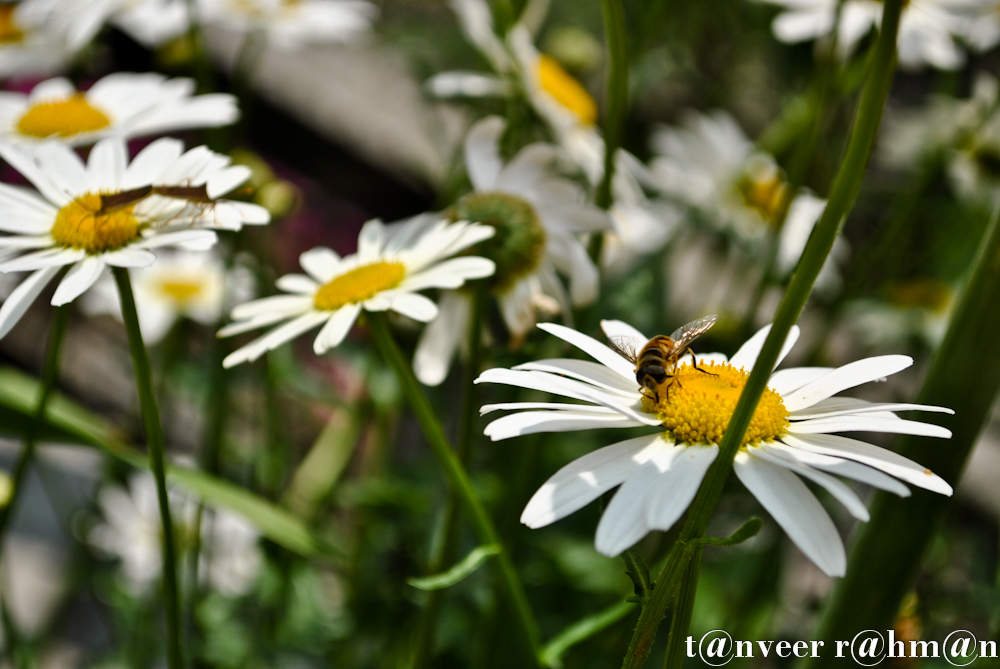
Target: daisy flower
x=712, y=166
x=927, y=28
x=121, y=104
x=31, y=43
x=537, y=216
x=791, y=435
x=231, y=558
x=181, y=284
x=291, y=24
x=65, y=225
x=153, y=22
x=385, y=274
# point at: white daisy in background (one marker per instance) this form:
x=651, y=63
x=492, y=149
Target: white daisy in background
x=181, y=284
x=927, y=28
x=567, y=108
x=230, y=557
x=966, y=131
x=712, y=166
x=292, y=24
x=31, y=43
x=121, y=104
x=789, y=436
x=385, y=274
x=918, y=309
x=153, y=22
x=132, y=530
x=65, y=225
x=537, y=215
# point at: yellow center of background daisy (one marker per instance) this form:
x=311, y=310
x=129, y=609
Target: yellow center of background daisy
x=697, y=406
x=66, y=117
x=179, y=290
x=360, y=284
x=79, y=225
x=566, y=90
x=9, y=30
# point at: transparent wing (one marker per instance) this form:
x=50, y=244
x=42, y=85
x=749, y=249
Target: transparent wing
x=626, y=347
x=686, y=334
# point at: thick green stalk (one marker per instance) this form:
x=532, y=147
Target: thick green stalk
x=50, y=373
x=444, y=552
x=616, y=97
x=842, y=195
x=680, y=622
x=155, y=442
x=457, y=476
x=965, y=375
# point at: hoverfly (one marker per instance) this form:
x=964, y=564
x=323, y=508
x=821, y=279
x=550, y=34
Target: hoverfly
x=658, y=358
x=126, y=197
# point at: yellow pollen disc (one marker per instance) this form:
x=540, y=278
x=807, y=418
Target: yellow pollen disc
x=360, y=284
x=79, y=226
x=566, y=90
x=766, y=195
x=180, y=290
x=66, y=117
x=9, y=30
x=697, y=406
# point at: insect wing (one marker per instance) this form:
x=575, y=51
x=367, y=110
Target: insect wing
x=626, y=347
x=686, y=334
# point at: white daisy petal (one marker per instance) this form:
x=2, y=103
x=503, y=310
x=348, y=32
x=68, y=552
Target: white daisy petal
x=265, y=305
x=193, y=240
x=107, y=163
x=320, y=263
x=837, y=488
x=297, y=283
x=591, y=347
x=53, y=257
x=415, y=306
x=482, y=154
x=873, y=456
x=842, y=378
x=796, y=509
x=590, y=372
x=555, y=406
x=371, y=240
x=746, y=357
x=531, y=422
x=868, y=423
x=846, y=468
x=450, y=274
x=784, y=381
x=79, y=278
x=842, y=406
x=129, y=257
x=587, y=478
x=677, y=484
x=623, y=522
x=614, y=328
x=336, y=328
x=275, y=338
x=440, y=339
x=20, y=299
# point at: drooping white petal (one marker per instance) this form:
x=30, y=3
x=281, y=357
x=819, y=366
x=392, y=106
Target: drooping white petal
x=20, y=299
x=850, y=375
x=78, y=279
x=336, y=328
x=415, y=306
x=840, y=492
x=482, y=153
x=677, y=484
x=440, y=339
x=868, y=423
x=878, y=458
x=796, y=510
x=587, y=478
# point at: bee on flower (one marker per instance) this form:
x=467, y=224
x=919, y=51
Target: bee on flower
x=73, y=223
x=791, y=435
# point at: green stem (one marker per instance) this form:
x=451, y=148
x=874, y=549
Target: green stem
x=680, y=622
x=842, y=195
x=444, y=552
x=457, y=476
x=50, y=373
x=154, y=439
x=888, y=551
x=616, y=99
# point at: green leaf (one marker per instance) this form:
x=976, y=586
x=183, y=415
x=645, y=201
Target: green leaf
x=582, y=630
x=320, y=470
x=67, y=422
x=747, y=530
x=460, y=571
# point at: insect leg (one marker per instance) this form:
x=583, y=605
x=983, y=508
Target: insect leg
x=694, y=363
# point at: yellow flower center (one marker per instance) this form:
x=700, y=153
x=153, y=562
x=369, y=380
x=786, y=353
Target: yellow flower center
x=764, y=189
x=566, y=90
x=696, y=407
x=10, y=32
x=360, y=284
x=79, y=225
x=180, y=290
x=932, y=294
x=66, y=117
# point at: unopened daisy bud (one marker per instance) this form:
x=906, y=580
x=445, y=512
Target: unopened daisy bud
x=278, y=197
x=6, y=488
